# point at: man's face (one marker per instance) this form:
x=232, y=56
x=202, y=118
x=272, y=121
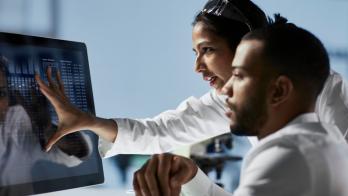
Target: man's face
x=247, y=90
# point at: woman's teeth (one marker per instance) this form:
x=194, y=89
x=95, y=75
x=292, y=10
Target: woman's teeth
x=210, y=78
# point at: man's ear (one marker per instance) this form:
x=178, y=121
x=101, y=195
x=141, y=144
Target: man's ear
x=281, y=90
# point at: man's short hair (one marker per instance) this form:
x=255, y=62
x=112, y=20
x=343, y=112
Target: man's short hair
x=294, y=52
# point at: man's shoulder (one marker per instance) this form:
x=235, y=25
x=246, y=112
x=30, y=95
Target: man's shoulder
x=305, y=140
x=304, y=133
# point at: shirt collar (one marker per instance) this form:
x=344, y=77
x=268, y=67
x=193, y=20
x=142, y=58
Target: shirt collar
x=304, y=118
x=300, y=119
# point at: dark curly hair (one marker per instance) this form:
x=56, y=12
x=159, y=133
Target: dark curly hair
x=231, y=30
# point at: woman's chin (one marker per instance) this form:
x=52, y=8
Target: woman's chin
x=218, y=85
x=219, y=88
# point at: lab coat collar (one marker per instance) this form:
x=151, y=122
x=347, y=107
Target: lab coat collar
x=304, y=118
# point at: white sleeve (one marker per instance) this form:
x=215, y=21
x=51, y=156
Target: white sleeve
x=332, y=103
x=194, y=120
x=201, y=185
x=276, y=171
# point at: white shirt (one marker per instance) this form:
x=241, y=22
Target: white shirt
x=198, y=119
x=305, y=158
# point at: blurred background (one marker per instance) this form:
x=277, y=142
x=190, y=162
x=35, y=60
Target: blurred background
x=141, y=58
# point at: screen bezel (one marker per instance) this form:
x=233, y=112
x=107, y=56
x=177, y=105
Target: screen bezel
x=68, y=182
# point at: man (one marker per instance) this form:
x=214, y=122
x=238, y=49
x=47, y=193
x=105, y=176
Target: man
x=278, y=72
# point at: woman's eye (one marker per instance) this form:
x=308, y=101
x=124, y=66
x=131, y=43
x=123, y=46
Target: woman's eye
x=207, y=49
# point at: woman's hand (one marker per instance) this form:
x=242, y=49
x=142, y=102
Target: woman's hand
x=71, y=119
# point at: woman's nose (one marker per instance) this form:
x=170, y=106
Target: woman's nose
x=199, y=65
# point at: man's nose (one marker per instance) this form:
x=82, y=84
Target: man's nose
x=227, y=89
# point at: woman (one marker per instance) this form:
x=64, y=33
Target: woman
x=217, y=30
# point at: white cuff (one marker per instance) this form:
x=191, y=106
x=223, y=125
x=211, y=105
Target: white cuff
x=109, y=149
x=200, y=185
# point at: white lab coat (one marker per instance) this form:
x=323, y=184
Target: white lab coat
x=299, y=159
x=198, y=119
x=332, y=104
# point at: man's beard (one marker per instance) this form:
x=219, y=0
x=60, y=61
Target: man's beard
x=251, y=115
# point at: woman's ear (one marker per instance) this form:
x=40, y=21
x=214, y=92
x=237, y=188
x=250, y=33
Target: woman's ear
x=281, y=90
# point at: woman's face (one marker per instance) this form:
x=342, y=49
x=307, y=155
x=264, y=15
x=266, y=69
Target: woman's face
x=213, y=56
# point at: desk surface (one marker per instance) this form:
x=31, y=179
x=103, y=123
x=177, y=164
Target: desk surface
x=90, y=191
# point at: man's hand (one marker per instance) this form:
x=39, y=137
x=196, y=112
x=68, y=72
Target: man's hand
x=163, y=174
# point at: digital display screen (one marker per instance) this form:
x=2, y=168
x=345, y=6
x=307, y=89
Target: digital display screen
x=27, y=119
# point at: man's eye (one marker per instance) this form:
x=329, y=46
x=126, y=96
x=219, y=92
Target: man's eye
x=236, y=75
